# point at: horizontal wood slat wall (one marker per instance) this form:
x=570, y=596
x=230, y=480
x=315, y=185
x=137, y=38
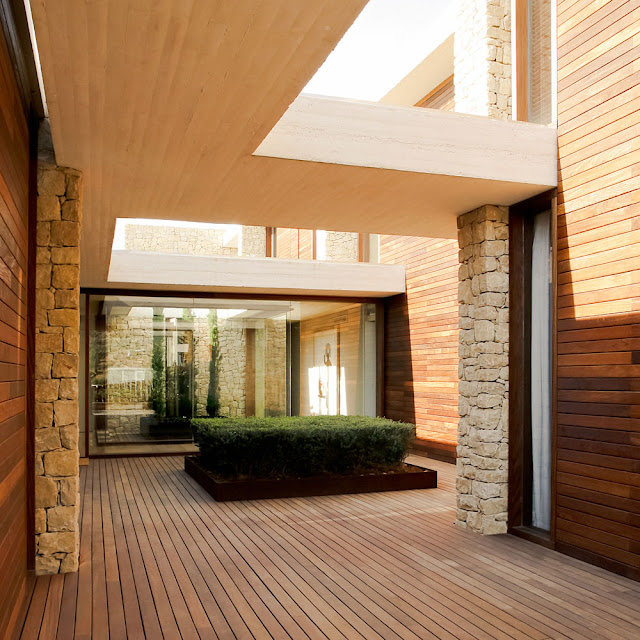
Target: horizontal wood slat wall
x=421, y=337
x=598, y=452
x=442, y=97
x=14, y=213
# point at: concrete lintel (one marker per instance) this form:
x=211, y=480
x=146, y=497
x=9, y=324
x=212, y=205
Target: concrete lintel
x=413, y=139
x=256, y=275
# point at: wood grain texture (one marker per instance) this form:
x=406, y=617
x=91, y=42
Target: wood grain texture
x=598, y=474
x=421, y=337
x=442, y=97
x=14, y=215
x=162, y=559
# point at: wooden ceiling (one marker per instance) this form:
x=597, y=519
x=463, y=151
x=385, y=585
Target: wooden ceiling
x=161, y=104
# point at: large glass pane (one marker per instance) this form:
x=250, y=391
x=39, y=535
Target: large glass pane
x=155, y=363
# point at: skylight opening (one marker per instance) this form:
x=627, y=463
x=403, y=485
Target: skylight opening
x=385, y=43
x=230, y=234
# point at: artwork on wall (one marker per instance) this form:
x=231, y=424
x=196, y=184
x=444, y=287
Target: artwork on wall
x=324, y=378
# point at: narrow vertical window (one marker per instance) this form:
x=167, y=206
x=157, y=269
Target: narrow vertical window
x=541, y=359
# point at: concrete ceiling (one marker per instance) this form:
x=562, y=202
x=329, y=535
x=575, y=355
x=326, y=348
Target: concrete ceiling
x=161, y=104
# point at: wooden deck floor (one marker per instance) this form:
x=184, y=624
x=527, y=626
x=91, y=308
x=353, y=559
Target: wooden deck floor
x=160, y=559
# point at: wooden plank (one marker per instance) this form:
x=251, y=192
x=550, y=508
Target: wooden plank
x=419, y=327
x=348, y=566
x=14, y=476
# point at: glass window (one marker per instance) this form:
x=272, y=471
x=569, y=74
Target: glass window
x=154, y=363
x=541, y=360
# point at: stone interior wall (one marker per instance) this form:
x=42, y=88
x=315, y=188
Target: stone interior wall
x=231, y=368
x=341, y=246
x=482, y=58
x=254, y=242
x=194, y=241
x=202, y=362
x=57, y=340
x=129, y=345
x=275, y=394
x=482, y=474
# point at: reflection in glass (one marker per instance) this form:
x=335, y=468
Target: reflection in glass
x=155, y=363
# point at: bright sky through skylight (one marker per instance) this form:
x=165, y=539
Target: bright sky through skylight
x=387, y=40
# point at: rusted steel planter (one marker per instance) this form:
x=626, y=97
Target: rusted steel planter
x=223, y=491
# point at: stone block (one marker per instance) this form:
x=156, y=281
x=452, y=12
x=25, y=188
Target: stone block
x=66, y=276
x=43, y=366
x=71, y=340
x=69, y=436
x=48, y=209
x=65, y=233
x=488, y=248
x=65, y=412
x=69, y=491
x=493, y=506
x=39, y=466
x=488, y=401
x=69, y=563
x=47, y=439
x=46, y=492
x=43, y=415
x=47, y=565
x=64, y=318
x=62, y=518
x=46, y=390
x=491, y=526
x=494, y=281
x=483, y=330
x=468, y=502
x=61, y=463
x=65, y=255
x=56, y=542
x=67, y=299
x=68, y=389
x=74, y=184
x=43, y=234
x=484, y=490
x=41, y=521
x=43, y=255
x=65, y=365
x=71, y=210
x=51, y=182
x=43, y=276
x=474, y=520
x=493, y=360
x=48, y=342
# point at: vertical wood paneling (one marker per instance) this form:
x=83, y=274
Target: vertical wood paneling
x=14, y=214
x=421, y=337
x=598, y=452
x=294, y=244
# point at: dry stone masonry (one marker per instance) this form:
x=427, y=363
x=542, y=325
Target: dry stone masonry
x=483, y=296
x=196, y=241
x=482, y=58
x=57, y=342
x=341, y=246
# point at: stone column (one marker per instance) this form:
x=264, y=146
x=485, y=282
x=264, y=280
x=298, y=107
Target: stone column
x=483, y=294
x=57, y=340
x=482, y=58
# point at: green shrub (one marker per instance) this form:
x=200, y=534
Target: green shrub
x=300, y=446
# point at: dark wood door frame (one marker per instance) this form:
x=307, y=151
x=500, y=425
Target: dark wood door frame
x=520, y=238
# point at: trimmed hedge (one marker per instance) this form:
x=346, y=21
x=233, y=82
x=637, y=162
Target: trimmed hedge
x=300, y=446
